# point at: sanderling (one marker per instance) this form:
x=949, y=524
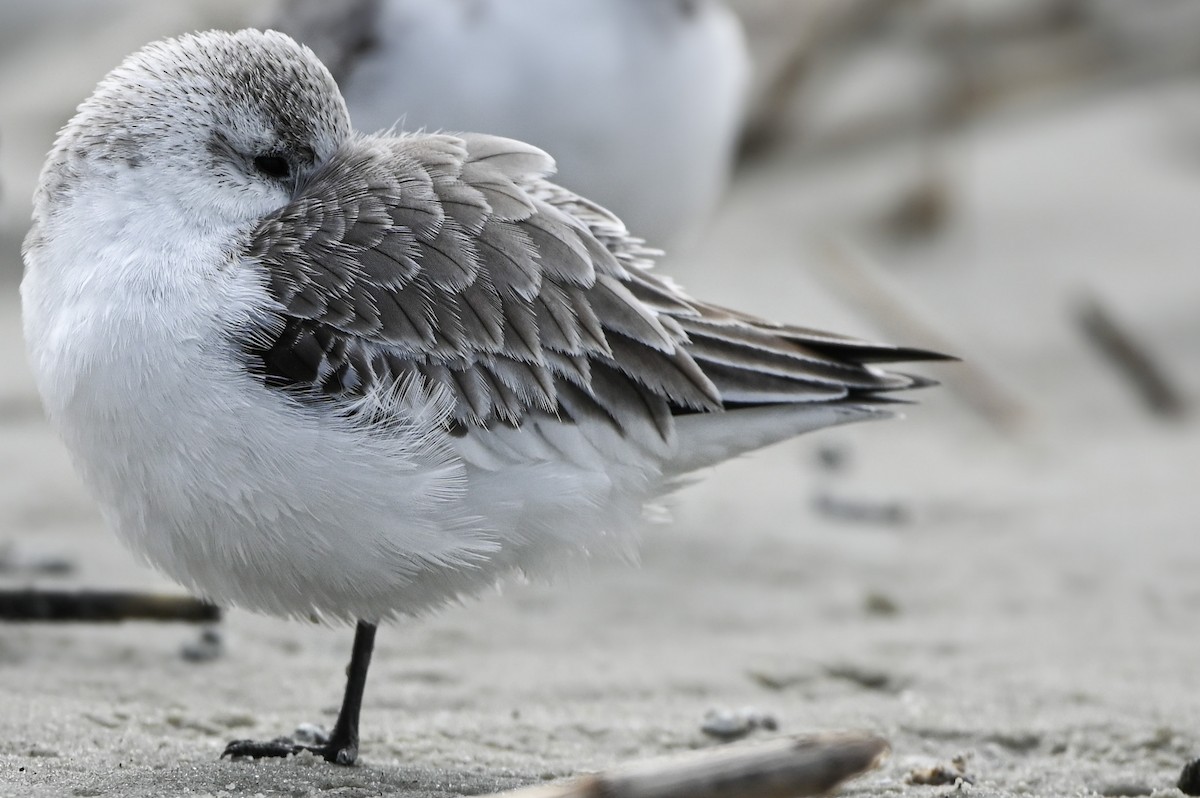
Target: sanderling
x=311, y=372
x=640, y=101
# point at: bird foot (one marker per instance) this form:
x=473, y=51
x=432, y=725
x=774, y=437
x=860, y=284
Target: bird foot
x=316, y=741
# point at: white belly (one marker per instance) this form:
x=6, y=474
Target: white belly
x=234, y=489
x=254, y=499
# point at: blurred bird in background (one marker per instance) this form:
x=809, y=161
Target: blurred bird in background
x=641, y=101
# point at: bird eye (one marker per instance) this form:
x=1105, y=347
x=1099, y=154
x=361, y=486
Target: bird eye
x=273, y=166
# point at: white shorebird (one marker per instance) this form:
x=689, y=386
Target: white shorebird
x=310, y=372
x=640, y=101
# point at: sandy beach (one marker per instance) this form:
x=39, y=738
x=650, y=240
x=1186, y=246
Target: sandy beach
x=1016, y=593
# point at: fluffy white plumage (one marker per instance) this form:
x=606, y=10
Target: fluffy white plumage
x=239, y=316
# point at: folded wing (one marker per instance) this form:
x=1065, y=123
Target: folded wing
x=452, y=260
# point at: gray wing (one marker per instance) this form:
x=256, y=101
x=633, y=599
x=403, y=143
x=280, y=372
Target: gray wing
x=453, y=261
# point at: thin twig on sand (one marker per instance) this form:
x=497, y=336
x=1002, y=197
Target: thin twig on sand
x=98, y=606
x=1130, y=358
x=782, y=768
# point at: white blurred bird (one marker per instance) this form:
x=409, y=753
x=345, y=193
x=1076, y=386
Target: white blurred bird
x=640, y=101
x=311, y=372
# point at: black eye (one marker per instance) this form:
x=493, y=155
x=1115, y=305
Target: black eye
x=273, y=165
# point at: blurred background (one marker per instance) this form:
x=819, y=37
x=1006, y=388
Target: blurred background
x=1009, y=574
x=1035, y=155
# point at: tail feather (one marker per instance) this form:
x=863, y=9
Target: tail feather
x=756, y=362
x=777, y=381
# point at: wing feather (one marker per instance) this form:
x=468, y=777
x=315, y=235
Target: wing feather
x=452, y=260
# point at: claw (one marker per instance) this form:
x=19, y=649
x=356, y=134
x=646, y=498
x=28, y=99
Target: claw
x=342, y=756
x=282, y=747
x=279, y=747
x=339, y=746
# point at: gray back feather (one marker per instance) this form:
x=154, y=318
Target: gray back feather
x=451, y=259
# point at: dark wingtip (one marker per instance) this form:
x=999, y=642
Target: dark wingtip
x=900, y=354
x=910, y=354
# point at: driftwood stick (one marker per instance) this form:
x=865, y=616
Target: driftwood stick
x=98, y=606
x=865, y=285
x=1130, y=358
x=783, y=768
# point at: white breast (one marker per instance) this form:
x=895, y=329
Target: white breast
x=252, y=498
x=229, y=487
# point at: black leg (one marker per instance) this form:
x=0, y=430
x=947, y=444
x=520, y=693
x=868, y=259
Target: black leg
x=342, y=746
